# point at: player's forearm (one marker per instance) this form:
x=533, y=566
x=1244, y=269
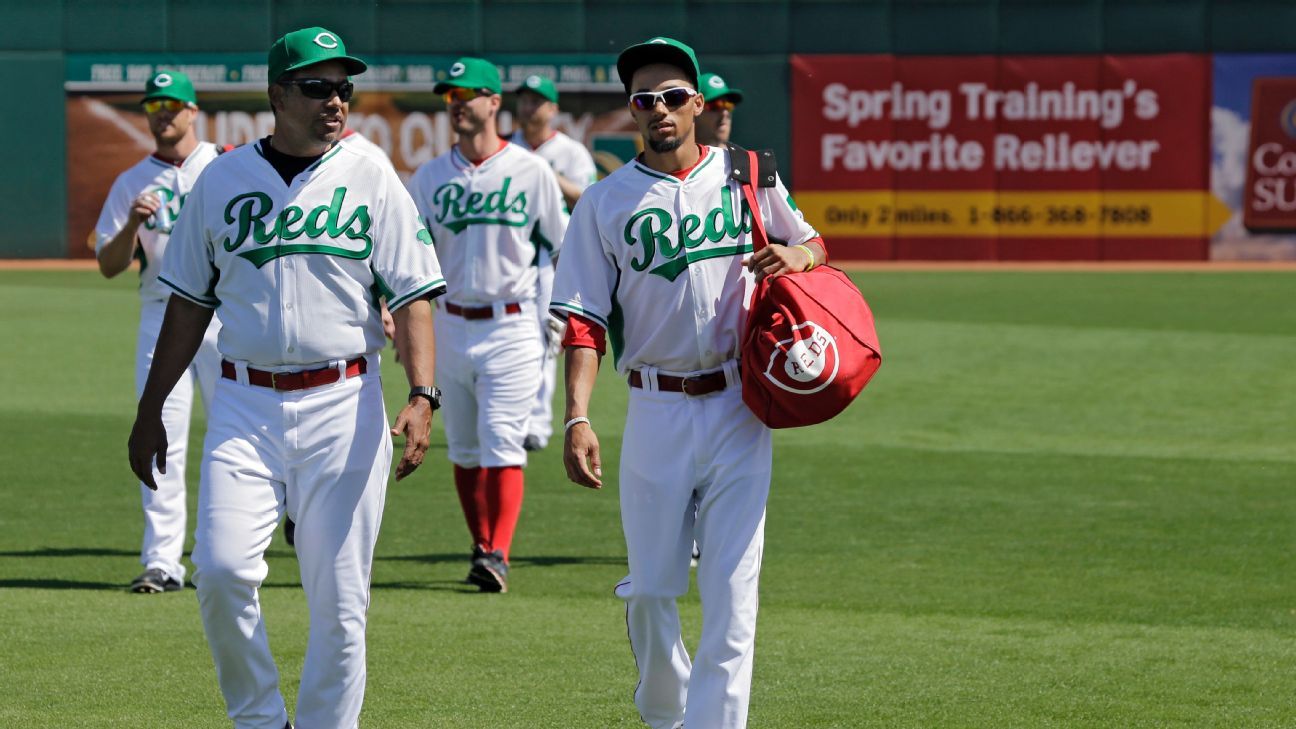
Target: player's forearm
x=183, y=328
x=571, y=192
x=416, y=342
x=582, y=370
x=115, y=256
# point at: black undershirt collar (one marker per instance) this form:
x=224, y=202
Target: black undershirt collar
x=287, y=165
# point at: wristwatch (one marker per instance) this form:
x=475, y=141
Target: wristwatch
x=433, y=395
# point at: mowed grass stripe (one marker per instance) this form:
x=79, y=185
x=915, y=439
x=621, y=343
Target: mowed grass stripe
x=1065, y=501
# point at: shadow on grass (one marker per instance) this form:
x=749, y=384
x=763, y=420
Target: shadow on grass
x=47, y=584
x=523, y=560
x=72, y=552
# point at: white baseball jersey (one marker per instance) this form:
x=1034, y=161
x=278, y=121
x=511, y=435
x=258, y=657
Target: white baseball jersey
x=489, y=220
x=666, y=254
x=565, y=155
x=171, y=184
x=296, y=270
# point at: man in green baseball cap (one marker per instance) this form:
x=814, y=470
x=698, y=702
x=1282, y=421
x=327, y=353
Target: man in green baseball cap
x=310, y=91
x=716, y=122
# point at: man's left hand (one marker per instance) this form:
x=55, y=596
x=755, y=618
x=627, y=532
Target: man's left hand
x=776, y=260
x=415, y=423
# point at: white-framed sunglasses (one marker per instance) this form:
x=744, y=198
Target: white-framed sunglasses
x=673, y=98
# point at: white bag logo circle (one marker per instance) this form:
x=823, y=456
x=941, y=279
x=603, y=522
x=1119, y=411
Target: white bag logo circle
x=806, y=363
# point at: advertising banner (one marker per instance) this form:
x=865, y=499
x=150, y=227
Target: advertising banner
x=394, y=107
x=1253, y=155
x=1005, y=157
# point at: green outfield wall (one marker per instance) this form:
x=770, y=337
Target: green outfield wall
x=749, y=41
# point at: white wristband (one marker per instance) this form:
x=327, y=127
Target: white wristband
x=575, y=421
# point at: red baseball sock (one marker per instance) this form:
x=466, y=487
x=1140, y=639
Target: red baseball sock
x=471, y=485
x=504, y=485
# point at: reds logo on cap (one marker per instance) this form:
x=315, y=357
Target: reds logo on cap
x=716, y=82
x=326, y=40
x=806, y=362
x=457, y=69
x=533, y=82
x=162, y=80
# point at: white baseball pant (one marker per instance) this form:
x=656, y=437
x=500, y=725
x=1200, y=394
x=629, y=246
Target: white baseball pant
x=487, y=371
x=323, y=454
x=541, y=424
x=165, y=509
x=679, y=451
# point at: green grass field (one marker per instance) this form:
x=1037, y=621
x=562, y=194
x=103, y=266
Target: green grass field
x=1067, y=500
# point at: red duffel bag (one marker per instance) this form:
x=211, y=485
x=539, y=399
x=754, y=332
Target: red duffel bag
x=809, y=345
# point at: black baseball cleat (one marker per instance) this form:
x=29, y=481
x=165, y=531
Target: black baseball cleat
x=155, y=580
x=478, y=556
x=489, y=572
x=290, y=531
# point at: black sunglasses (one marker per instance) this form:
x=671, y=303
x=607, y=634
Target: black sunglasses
x=320, y=88
x=673, y=98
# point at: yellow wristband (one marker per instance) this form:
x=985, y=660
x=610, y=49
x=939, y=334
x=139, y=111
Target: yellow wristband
x=810, y=253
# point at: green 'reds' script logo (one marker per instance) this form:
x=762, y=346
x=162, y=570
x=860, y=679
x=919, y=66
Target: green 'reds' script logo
x=250, y=210
x=652, y=229
x=456, y=208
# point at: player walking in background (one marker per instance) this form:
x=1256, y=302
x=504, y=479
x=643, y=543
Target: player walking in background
x=716, y=122
x=490, y=206
x=537, y=105
x=136, y=223
x=292, y=239
x=654, y=256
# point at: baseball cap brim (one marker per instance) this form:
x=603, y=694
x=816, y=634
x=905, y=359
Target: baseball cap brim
x=167, y=94
x=444, y=86
x=636, y=57
x=353, y=65
x=734, y=95
x=542, y=93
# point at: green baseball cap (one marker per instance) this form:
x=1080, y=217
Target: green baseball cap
x=309, y=46
x=170, y=85
x=540, y=85
x=714, y=87
x=657, y=50
x=471, y=73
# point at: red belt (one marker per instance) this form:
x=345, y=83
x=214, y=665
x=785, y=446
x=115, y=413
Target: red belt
x=481, y=312
x=302, y=380
x=692, y=386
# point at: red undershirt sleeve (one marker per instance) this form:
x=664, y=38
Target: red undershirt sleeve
x=582, y=332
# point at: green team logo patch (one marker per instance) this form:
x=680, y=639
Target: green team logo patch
x=251, y=210
x=655, y=232
x=456, y=208
x=164, y=219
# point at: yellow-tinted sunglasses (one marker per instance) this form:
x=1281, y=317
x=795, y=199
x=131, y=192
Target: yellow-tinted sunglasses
x=459, y=93
x=720, y=105
x=172, y=105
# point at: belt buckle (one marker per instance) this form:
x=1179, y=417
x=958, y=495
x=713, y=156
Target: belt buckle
x=687, y=383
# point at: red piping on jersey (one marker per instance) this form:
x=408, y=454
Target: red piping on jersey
x=478, y=162
x=582, y=332
x=703, y=151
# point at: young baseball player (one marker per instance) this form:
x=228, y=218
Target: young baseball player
x=136, y=223
x=490, y=206
x=291, y=240
x=658, y=259
x=537, y=105
x=716, y=121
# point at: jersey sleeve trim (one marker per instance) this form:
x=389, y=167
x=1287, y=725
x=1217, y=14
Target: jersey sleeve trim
x=431, y=289
x=204, y=301
x=573, y=309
